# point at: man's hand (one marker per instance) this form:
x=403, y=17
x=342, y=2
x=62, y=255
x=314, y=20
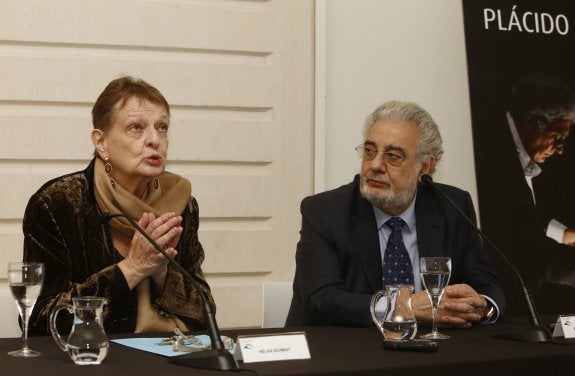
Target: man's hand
x=460, y=307
x=569, y=237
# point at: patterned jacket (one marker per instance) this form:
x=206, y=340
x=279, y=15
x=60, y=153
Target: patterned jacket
x=62, y=229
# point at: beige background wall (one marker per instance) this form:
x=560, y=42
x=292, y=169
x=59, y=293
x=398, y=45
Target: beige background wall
x=239, y=78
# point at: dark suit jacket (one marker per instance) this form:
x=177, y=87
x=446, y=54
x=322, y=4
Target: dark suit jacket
x=338, y=258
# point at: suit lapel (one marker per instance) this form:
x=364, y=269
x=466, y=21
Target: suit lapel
x=366, y=240
x=429, y=225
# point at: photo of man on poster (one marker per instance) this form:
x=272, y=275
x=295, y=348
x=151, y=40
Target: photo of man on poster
x=523, y=109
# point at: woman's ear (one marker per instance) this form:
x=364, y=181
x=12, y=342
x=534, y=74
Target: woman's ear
x=99, y=141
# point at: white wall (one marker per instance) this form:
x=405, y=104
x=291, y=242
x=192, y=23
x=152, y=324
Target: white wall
x=376, y=50
x=9, y=326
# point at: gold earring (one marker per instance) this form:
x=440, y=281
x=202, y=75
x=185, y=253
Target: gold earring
x=107, y=165
x=108, y=169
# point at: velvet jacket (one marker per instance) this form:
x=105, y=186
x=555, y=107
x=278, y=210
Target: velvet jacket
x=62, y=229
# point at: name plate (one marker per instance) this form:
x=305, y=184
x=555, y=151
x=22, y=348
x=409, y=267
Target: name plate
x=565, y=326
x=271, y=347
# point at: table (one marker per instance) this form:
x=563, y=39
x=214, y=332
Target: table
x=334, y=351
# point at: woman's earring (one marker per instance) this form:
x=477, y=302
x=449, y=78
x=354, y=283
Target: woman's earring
x=107, y=165
x=108, y=169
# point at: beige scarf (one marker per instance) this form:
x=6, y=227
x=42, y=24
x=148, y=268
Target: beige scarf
x=169, y=192
x=149, y=318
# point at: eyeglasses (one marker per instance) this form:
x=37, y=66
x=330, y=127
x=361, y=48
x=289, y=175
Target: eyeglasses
x=369, y=152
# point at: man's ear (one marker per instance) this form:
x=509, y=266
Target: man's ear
x=99, y=142
x=427, y=166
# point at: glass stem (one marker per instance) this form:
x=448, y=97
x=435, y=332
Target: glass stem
x=434, y=305
x=25, y=319
x=434, y=323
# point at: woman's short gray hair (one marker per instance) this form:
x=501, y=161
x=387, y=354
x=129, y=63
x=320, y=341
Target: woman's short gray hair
x=430, y=142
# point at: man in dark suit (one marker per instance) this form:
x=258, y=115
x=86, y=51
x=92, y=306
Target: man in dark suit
x=341, y=253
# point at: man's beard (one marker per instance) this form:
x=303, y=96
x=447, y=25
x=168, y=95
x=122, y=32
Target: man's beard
x=389, y=199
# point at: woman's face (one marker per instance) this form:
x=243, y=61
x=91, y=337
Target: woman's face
x=136, y=143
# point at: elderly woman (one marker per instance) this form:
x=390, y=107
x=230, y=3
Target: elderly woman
x=84, y=256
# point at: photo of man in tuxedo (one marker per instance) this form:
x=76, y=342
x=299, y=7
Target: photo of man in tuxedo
x=530, y=131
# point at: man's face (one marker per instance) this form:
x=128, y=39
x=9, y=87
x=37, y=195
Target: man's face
x=542, y=144
x=390, y=188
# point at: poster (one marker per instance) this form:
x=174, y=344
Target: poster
x=521, y=70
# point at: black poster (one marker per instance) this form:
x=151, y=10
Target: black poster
x=521, y=67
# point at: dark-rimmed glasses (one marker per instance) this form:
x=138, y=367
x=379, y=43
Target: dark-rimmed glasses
x=368, y=153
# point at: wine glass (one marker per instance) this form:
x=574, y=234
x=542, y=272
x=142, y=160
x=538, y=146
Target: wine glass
x=435, y=273
x=25, y=280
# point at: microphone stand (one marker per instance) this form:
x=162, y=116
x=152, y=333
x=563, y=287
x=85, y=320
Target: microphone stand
x=538, y=333
x=218, y=358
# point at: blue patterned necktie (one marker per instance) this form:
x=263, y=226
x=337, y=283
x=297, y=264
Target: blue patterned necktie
x=396, y=263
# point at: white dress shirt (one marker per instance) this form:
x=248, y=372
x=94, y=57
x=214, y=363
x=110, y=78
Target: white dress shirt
x=531, y=169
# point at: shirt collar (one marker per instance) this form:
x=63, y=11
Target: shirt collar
x=408, y=216
x=529, y=166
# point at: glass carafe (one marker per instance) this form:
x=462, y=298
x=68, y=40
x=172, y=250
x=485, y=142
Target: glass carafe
x=87, y=342
x=392, y=313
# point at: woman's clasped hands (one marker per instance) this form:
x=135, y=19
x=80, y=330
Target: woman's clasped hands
x=142, y=259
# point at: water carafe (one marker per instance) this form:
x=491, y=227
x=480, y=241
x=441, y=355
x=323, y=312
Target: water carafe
x=87, y=342
x=392, y=313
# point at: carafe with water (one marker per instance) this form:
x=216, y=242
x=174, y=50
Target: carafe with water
x=392, y=313
x=87, y=342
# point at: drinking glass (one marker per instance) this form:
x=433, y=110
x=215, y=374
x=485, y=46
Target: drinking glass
x=435, y=273
x=25, y=280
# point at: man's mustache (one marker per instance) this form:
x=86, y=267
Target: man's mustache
x=376, y=176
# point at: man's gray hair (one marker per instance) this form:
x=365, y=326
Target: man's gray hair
x=430, y=142
x=545, y=96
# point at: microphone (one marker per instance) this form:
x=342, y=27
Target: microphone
x=538, y=334
x=218, y=357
